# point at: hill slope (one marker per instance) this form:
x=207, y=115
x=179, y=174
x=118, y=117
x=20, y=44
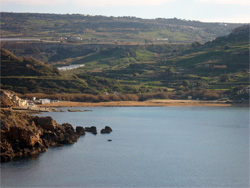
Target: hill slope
x=28, y=75
x=78, y=28
x=226, y=57
x=14, y=66
x=219, y=64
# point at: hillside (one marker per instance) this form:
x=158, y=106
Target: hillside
x=77, y=28
x=220, y=66
x=31, y=76
x=169, y=65
x=26, y=66
x=222, y=63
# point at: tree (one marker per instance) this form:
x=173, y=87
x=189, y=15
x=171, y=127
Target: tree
x=236, y=90
x=169, y=71
x=195, y=44
x=32, y=50
x=224, y=78
x=185, y=83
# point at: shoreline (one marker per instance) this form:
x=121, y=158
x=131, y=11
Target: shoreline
x=149, y=103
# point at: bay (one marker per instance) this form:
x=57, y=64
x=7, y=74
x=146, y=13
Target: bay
x=151, y=147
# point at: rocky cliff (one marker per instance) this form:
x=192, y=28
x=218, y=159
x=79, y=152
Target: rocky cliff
x=23, y=134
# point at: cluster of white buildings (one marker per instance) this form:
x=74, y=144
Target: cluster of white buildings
x=41, y=101
x=23, y=102
x=64, y=68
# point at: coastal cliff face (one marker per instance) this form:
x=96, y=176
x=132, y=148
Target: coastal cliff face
x=10, y=99
x=24, y=135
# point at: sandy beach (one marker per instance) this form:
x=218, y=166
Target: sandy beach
x=149, y=103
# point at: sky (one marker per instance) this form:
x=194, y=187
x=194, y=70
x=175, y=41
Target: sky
x=228, y=11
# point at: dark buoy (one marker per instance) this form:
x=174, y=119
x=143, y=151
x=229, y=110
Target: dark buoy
x=109, y=140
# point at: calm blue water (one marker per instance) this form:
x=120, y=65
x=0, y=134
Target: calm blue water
x=151, y=147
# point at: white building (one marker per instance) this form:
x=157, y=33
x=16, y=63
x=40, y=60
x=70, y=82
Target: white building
x=64, y=68
x=44, y=101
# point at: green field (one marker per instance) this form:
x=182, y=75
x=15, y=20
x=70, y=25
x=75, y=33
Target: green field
x=215, y=69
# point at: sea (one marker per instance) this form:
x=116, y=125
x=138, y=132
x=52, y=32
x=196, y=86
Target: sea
x=150, y=147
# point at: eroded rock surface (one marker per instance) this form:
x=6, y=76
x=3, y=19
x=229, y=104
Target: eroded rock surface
x=23, y=134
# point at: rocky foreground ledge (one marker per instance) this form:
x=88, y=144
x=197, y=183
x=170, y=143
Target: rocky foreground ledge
x=24, y=135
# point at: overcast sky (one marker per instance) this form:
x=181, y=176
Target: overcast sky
x=235, y=11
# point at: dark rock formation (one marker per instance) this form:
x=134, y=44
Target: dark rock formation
x=92, y=129
x=46, y=123
x=80, y=130
x=107, y=129
x=23, y=134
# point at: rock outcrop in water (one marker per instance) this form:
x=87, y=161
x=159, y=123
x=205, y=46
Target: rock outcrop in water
x=92, y=129
x=80, y=130
x=23, y=134
x=107, y=129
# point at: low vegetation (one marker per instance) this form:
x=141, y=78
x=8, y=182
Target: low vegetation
x=214, y=70
x=79, y=29
x=29, y=75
